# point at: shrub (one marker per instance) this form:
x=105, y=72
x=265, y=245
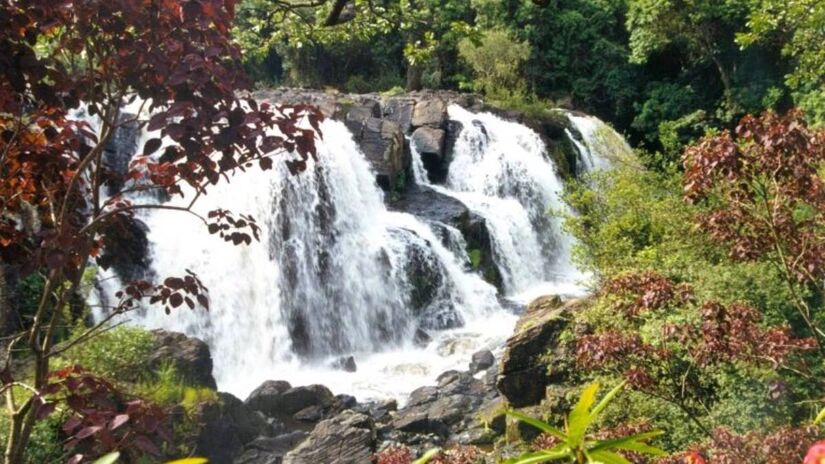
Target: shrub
x=496, y=59
x=119, y=354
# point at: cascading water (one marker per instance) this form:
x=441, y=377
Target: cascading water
x=600, y=145
x=500, y=171
x=335, y=274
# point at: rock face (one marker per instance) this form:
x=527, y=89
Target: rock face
x=429, y=112
x=430, y=144
x=190, y=357
x=525, y=370
x=382, y=142
x=348, y=438
x=481, y=361
x=225, y=427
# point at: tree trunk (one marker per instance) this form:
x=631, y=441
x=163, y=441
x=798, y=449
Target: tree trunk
x=414, y=73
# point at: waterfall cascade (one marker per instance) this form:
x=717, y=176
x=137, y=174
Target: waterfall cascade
x=337, y=273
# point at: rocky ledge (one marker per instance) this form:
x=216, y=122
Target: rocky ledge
x=281, y=423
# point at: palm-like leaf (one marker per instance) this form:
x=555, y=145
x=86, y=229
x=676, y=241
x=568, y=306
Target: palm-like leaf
x=541, y=425
x=580, y=418
x=427, y=456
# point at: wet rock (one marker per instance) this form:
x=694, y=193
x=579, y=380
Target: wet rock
x=119, y=151
x=127, y=249
x=344, y=401
x=421, y=338
x=455, y=344
x=270, y=450
x=348, y=438
x=225, y=427
x=382, y=142
x=345, y=363
x=276, y=399
x=481, y=360
x=399, y=110
x=429, y=142
x=430, y=112
x=524, y=372
x=311, y=414
x=189, y=356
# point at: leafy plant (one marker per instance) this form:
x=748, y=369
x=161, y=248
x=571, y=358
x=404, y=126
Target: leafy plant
x=575, y=445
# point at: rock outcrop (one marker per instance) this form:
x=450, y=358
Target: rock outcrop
x=348, y=438
x=189, y=356
x=534, y=357
x=225, y=427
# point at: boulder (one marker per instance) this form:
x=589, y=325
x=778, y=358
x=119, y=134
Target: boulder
x=399, y=110
x=430, y=112
x=525, y=372
x=382, y=142
x=276, y=399
x=481, y=360
x=429, y=143
x=127, y=249
x=225, y=427
x=348, y=438
x=270, y=450
x=421, y=338
x=345, y=363
x=189, y=356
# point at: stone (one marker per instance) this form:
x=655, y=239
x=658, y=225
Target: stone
x=270, y=450
x=481, y=360
x=523, y=371
x=311, y=414
x=429, y=143
x=126, y=250
x=421, y=338
x=345, y=363
x=430, y=112
x=382, y=142
x=190, y=357
x=225, y=427
x=275, y=399
x=399, y=110
x=348, y=438
x=345, y=401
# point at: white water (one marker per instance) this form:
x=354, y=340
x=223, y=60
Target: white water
x=601, y=146
x=500, y=171
x=332, y=264
x=336, y=266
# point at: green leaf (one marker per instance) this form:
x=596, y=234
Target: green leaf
x=189, y=461
x=539, y=456
x=110, y=458
x=580, y=418
x=819, y=417
x=606, y=400
x=631, y=443
x=427, y=456
x=606, y=457
x=541, y=425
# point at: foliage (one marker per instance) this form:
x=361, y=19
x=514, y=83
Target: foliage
x=177, y=61
x=119, y=353
x=673, y=349
x=797, y=26
x=166, y=387
x=766, y=199
x=785, y=445
x=573, y=443
x=403, y=455
x=495, y=59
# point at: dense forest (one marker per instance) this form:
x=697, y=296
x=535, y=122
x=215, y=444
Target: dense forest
x=704, y=323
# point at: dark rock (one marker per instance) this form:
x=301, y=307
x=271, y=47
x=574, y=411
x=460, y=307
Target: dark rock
x=421, y=338
x=382, y=142
x=267, y=396
x=189, y=356
x=345, y=401
x=345, y=363
x=429, y=143
x=312, y=413
x=430, y=112
x=270, y=450
x=272, y=400
x=481, y=361
x=119, y=151
x=126, y=249
x=399, y=110
x=225, y=427
x=524, y=373
x=348, y=438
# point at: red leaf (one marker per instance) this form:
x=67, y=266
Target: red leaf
x=151, y=146
x=119, y=420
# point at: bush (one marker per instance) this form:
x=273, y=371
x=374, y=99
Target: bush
x=168, y=388
x=496, y=60
x=119, y=354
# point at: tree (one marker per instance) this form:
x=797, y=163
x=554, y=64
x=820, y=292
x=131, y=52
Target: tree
x=765, y=199
x=178, y=59
x=496, y=60
x=703, y=27
x=798, y=27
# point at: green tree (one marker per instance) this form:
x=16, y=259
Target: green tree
x=496, y=60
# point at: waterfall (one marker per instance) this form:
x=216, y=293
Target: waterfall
x=501, y=171
x=335, y=273
x=600, y=145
